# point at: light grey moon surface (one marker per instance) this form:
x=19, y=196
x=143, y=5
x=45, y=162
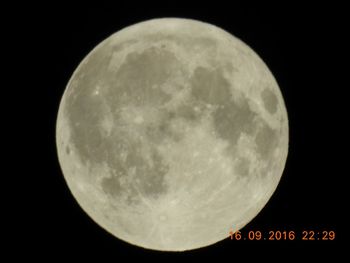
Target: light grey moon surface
x=170, y=133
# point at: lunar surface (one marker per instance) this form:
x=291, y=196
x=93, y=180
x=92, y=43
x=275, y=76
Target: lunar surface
x=170, y=133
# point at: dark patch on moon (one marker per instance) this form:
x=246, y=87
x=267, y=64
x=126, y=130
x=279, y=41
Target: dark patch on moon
x=266, y=141
x=140, y=77
x=210, y=86
x=84, y=112
x=111, y=186
x=89, y=74
x=270, y=100
x=159, y=131
x=136, y=79
x=231, y=117
x=67, y=150
x=148, y=176
x=152, y=183
x=242, y=166
x=188, y=112
x=162, y=130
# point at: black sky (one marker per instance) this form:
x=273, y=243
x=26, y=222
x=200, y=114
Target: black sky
x=302, y=46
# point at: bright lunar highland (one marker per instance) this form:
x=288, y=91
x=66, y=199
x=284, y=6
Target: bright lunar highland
x=170, y=133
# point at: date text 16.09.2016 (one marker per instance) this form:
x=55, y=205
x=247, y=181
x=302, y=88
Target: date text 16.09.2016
x=283, y=235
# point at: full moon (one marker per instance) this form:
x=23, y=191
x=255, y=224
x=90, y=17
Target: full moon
x=172, y=132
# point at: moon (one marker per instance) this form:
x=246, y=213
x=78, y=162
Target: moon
x=172, y=132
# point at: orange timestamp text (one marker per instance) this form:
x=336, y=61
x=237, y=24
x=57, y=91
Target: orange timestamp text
x=283, y=235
